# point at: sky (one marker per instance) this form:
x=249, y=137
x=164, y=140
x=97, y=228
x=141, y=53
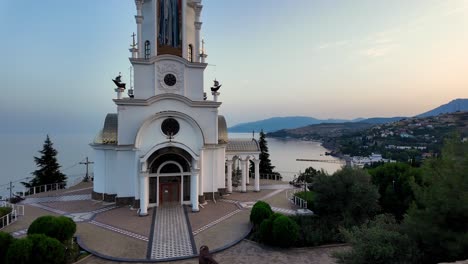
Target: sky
x=318, y=58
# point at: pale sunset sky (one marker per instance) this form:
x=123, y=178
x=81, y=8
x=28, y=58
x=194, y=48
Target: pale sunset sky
x=318, y=58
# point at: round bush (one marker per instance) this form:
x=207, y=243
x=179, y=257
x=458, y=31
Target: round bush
x=61, y=228
x=47, y=250
x=285, y=231
x=264, y=232
x=260, y=211
x=5, y=241
x=20, y=252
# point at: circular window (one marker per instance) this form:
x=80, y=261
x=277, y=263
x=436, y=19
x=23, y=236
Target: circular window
x=170, y=79
x=170, y=127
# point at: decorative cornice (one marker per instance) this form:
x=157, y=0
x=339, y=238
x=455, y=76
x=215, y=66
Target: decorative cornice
x=139, y=19
x=158, y=58
x=139, y=3
x=198, y=9
x=198, y=25
x=166, y=96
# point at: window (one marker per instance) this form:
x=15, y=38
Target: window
x=190, y=53
x=147, y=49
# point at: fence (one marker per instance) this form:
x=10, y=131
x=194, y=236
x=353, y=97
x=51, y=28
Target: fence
x=43, y=188
x=16, y=210
x=295, y=199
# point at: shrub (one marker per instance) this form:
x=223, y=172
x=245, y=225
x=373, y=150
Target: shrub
x=4, y=211
x=285, y=231
x=314, y=231
x=265, y=234
x=260, y=211
x=380, y=242
x=5, y=241
x=20, y=252
x=47, y=250
x=61, y=228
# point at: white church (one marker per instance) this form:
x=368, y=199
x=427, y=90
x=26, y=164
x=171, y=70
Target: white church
x=166, y=143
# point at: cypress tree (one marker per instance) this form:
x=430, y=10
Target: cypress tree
x=48, y=168
x=265, y=162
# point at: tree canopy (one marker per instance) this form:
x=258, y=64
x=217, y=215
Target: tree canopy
x=395, y=181
x=48, y=168
x=438, y=219
x=346, y=198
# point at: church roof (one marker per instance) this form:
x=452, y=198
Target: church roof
x=222, y=130
x=242, y=145
x=108, y=134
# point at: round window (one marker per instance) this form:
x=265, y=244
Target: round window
x=170, y=79
x=170, y=127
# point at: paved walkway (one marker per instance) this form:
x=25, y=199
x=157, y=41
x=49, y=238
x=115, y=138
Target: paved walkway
x=118, y=232
x=171, y=236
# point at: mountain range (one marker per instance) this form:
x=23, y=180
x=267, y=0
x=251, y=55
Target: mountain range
x=289, y=122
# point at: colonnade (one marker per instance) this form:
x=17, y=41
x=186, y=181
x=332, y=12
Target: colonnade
x=244, y=167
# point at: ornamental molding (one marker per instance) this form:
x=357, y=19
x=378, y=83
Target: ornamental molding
x=167, y=67
x=198, y=25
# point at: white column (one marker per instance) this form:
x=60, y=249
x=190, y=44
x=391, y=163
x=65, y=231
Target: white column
x=143, y=194
x=194, y=186
x=247, y=169
x=229, y=175
x=257, y=175
x=243, y=178
x=198, y=24
x=139, y=21
x=184, y=29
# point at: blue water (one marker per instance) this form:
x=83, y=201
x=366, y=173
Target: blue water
x=18, y=150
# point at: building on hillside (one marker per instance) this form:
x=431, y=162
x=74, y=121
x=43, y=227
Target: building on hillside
x=167, y=144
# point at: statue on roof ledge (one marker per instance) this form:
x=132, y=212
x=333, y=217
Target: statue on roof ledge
x=119, y=82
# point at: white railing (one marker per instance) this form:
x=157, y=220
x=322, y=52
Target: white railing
x=8, y=219
x=43, y=188
x=291, y=194
x=299, y=202
x=14, y=207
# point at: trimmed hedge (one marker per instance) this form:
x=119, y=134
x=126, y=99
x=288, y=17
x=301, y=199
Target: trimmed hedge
x=47, y=250
x=264, y=233
x=5, y=242
x=260, y=211
x=285, y=231
x=20, y=252
x=61, y=228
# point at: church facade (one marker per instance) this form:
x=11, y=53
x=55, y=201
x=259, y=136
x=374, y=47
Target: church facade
x=167, y=144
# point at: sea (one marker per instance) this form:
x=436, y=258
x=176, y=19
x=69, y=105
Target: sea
x=18, y=152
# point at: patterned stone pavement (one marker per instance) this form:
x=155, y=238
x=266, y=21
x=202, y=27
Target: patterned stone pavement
x=171, y=236
x=66, y=198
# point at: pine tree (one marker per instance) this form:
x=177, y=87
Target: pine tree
x=265, y=162
x=48, y=168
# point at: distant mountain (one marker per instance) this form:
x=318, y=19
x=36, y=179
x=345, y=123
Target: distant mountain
x=453, y=106
x=277, y=123
x=381, y=120
x=291, y=122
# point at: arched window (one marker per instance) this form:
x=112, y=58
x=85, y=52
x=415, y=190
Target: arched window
x=190, y=53
x=147, y=49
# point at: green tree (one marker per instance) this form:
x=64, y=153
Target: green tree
x=346, y=198
x=309, y=174
x=48, y=168
x=395, y=181
x=438, y=219
x=265, y=162
x=378, y=242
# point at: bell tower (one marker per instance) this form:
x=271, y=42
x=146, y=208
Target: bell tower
x=167, y=56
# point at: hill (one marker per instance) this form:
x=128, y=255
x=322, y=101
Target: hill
x=277, y=123
x=451, y=107
x=320, y=131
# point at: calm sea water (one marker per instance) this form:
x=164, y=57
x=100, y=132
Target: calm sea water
x=17, y=152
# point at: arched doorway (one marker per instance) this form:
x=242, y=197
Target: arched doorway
x=169, y=177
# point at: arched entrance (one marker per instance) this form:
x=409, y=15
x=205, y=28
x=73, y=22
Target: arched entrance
x=169, y=177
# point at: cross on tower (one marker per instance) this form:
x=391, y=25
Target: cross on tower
x=86, y=178
x=134, y=45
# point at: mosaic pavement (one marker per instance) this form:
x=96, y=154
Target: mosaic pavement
x=66, y=198
x=171, y=235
